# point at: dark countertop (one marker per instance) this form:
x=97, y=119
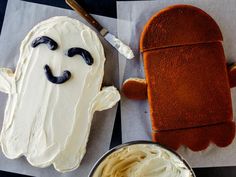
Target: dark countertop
x=108, y=8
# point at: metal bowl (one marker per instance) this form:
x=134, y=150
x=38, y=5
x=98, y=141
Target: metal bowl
x=136, y=143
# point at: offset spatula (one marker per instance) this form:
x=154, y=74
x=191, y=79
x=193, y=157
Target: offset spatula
x=114, y=41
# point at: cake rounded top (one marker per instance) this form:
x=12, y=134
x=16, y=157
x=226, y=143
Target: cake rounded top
x=179, y=25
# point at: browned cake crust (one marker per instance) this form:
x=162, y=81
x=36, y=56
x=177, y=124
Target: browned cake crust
x=187, y=86
x=179, y=25
x=232, y=75
x=187, y=79
x=135, y=88
x=197, y=138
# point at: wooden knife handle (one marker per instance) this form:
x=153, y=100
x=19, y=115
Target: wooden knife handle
x=76, y=7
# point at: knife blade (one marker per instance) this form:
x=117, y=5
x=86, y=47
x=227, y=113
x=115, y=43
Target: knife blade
x=122, y=48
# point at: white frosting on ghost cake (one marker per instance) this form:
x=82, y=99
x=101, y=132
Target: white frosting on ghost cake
x=50, y=123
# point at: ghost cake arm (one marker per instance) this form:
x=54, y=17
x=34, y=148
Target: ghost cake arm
x=7, y=81
x=135, y=88
x=232, y=75
x=106, y=98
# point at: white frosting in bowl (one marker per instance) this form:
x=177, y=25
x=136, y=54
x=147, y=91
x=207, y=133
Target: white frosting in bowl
x=142, y=160
x=49, y=123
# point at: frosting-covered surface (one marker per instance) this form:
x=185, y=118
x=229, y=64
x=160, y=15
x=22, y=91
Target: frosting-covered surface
x=49, y=123
x=120, y=46
x=141, y=160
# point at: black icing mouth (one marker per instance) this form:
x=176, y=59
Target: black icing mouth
x=57, y=79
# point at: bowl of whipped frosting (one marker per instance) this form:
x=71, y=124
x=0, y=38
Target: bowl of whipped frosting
x=139, y=159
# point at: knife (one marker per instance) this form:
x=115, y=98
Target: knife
x=114, y=41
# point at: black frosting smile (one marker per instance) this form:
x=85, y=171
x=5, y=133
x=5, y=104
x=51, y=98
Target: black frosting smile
x=56, y=79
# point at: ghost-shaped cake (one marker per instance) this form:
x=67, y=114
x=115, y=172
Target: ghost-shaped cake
x=53, y=94
x=187, y=81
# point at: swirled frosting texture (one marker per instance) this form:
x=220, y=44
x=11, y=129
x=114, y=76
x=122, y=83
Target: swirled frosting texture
x=142, y=160
x=50, y=123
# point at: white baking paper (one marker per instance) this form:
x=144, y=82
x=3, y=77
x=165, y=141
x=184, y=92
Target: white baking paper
x=135, y=118
x=20, y=17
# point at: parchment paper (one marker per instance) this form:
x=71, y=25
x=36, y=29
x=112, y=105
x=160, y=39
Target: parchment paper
x=20, y=17
x=132, y=16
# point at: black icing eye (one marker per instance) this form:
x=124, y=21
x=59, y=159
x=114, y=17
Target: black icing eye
x=52, y=45
x=79, y=51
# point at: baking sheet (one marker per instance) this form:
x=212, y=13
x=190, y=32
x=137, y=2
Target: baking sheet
x=20, y=17
x=135, y=118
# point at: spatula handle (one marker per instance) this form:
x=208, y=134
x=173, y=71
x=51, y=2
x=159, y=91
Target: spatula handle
x=76, y=7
